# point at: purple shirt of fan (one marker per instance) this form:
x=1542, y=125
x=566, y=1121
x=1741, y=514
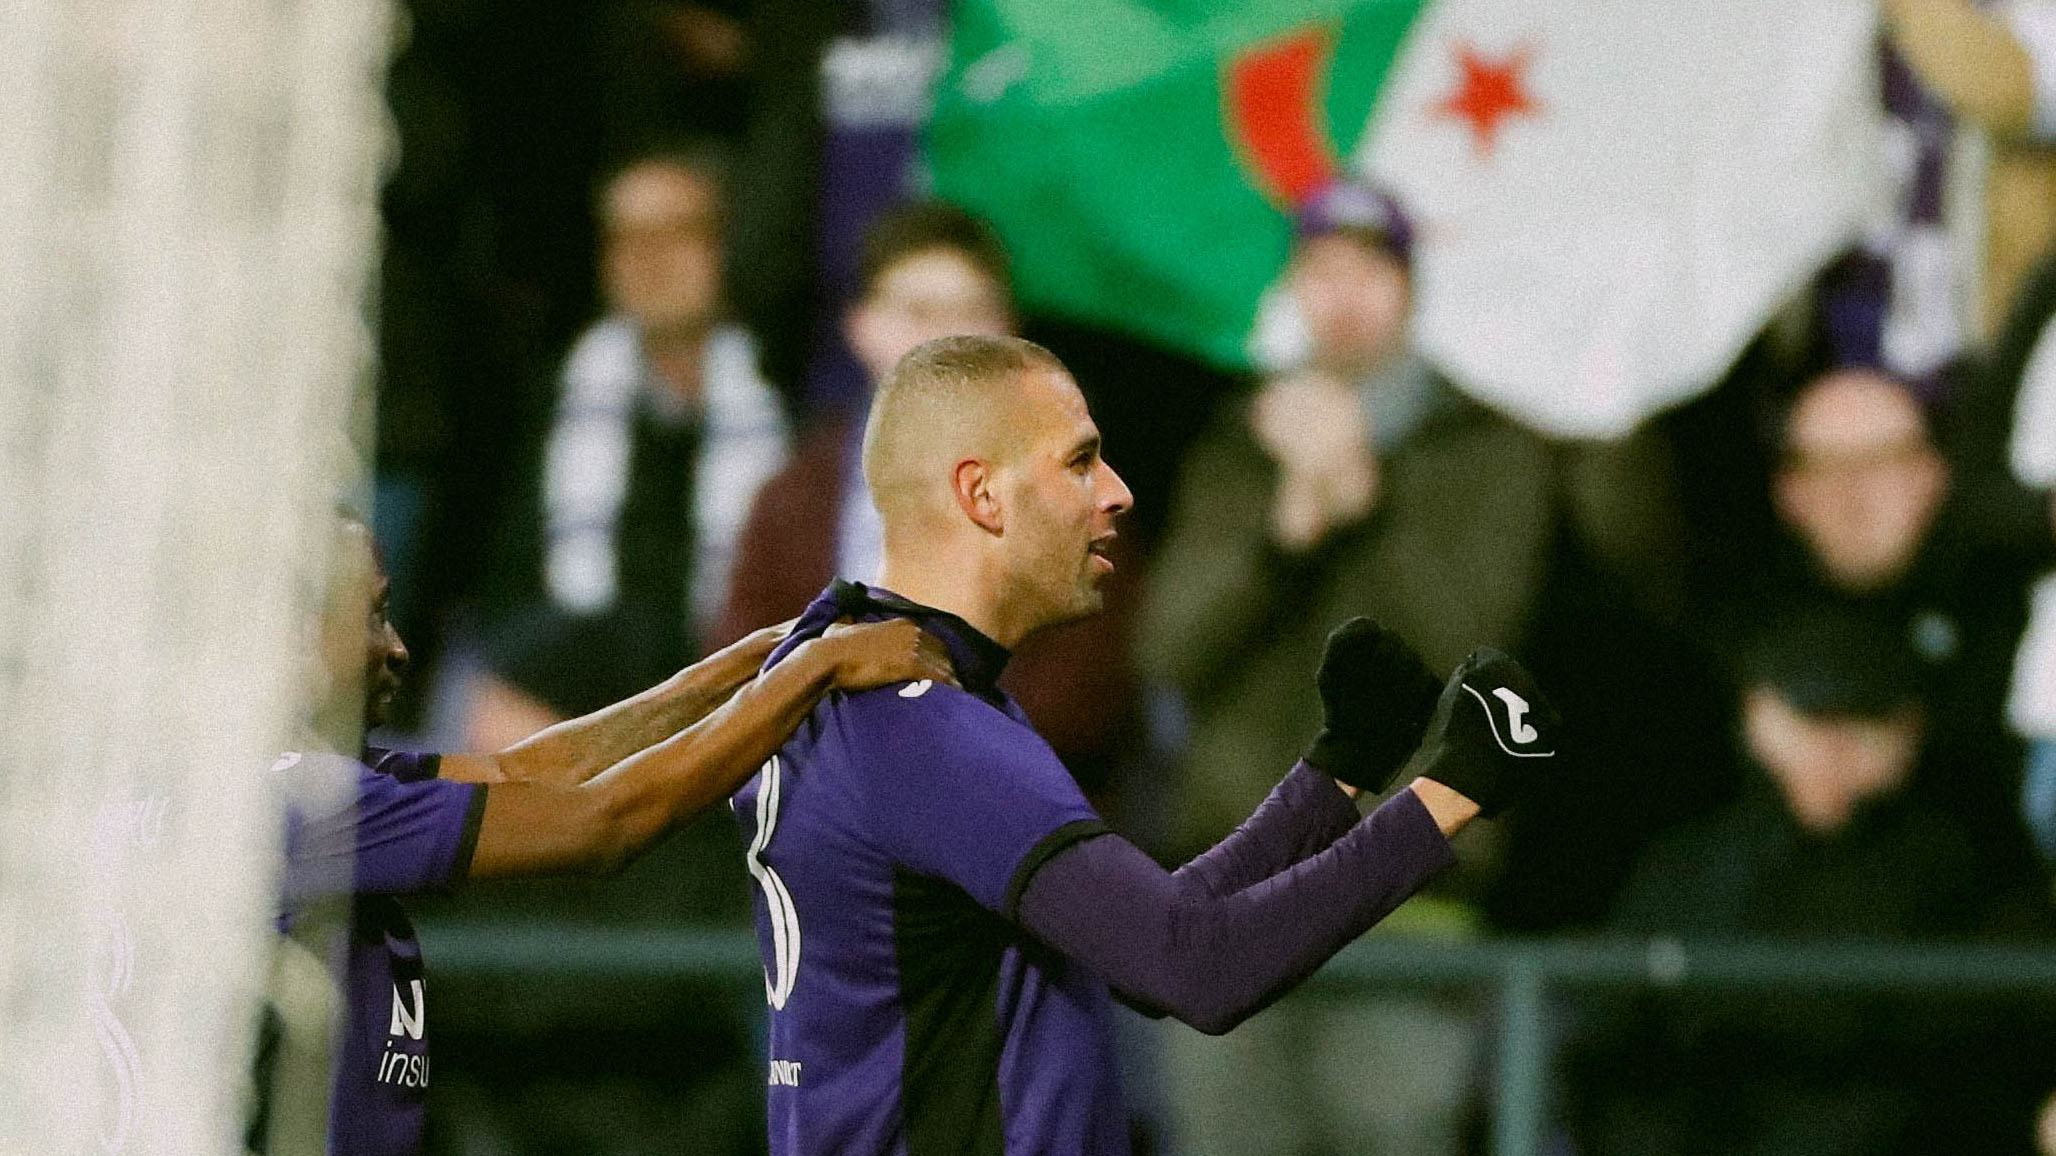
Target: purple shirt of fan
x=943, y=917
x=405, y=831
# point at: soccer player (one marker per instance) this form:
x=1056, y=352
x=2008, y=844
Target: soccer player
x=942, y=915
x=587, y=794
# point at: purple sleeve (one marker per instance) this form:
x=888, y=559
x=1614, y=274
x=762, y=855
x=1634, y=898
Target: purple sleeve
x=406, y=766
x=395, y=839
x=957, y=790
x=415, y=836
x=1305, y=813
x=1212, y=960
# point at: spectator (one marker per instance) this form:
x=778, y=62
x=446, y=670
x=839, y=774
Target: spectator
x=663, y=432
x=1356, y=482
x=1875, y=529
x=927, y=270
x=1827, y=842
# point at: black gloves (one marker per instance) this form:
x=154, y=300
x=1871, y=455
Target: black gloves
x=1491, y=736
x=1494, y=736
x=1376, y=697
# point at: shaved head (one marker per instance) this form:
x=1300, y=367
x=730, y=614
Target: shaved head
x=985, y=465
x=947, y=400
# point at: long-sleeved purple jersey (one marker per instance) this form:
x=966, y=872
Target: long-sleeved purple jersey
x=889, y=840
x=935, y=989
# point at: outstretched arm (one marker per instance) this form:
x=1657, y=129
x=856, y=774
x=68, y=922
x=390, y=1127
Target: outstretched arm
x=577, y=749
x=1167, y=941
x=542, y=827
x=1305, y=813
x=1213, y=958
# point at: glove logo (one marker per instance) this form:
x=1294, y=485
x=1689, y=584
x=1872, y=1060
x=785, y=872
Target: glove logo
x=1516, y=709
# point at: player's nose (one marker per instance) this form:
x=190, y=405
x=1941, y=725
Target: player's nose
x=1115, y=497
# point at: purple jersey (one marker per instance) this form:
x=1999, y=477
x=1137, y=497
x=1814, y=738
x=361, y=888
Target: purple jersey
x=406, y=831
x=890, y=840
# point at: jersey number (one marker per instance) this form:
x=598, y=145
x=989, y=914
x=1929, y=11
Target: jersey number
x=785, y=918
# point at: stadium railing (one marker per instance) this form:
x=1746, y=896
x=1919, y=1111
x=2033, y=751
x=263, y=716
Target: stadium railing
x=1522, y=974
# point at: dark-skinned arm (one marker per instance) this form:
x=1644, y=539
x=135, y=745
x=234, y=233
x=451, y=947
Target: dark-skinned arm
x=577, y=749
x=533, y=827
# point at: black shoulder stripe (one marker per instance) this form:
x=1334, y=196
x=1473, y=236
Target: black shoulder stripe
x=1068, y=835
x=474, y=816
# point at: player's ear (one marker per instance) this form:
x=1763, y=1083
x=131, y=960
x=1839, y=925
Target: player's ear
x=971, y=485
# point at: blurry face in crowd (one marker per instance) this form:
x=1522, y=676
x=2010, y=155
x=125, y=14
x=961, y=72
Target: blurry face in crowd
x=661, y=247
x=1060, y=500
x=1861, y=480
x=361, y=651
x=927, y=294
x=1354, y=297
x=1825, y=766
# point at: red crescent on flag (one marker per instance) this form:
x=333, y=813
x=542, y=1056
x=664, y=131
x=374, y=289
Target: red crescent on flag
x=1272, y=104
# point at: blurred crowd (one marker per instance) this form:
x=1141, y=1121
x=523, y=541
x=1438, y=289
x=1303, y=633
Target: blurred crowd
x=644, y=261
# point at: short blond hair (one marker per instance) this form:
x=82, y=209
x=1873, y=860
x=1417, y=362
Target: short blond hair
x=944, y=396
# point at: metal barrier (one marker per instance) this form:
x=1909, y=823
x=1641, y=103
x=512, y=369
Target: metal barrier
x=1521, y=971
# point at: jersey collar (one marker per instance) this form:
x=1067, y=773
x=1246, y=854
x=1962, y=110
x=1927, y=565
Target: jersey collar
x=977, y=658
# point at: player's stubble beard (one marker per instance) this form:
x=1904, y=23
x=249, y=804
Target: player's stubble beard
x=1064, y=584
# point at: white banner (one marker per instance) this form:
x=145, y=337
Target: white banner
x=1616, y=195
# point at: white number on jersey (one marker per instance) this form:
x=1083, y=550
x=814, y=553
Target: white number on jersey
x=785, y=918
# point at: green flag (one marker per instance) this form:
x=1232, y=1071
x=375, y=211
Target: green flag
x=1140, y=158
x=1610, y=196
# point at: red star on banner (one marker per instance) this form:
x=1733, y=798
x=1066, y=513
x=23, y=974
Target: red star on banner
x=1488, y=92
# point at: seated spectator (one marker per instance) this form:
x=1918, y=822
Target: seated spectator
x=1354, y=481
x=1876, y=530
x=1827, y=842
x=927, y=269
x=662, y=434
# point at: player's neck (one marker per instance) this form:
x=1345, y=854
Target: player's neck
x=335, y=731
x=962, y=592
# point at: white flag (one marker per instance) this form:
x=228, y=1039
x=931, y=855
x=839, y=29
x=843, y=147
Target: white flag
x=1616, y=195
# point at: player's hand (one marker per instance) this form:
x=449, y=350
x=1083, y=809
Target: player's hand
x=1376, y=698
x=1494, y=737
x=868, y=654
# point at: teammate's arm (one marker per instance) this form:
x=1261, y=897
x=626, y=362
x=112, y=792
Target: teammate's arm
x=577, y=749
x=531, y=828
